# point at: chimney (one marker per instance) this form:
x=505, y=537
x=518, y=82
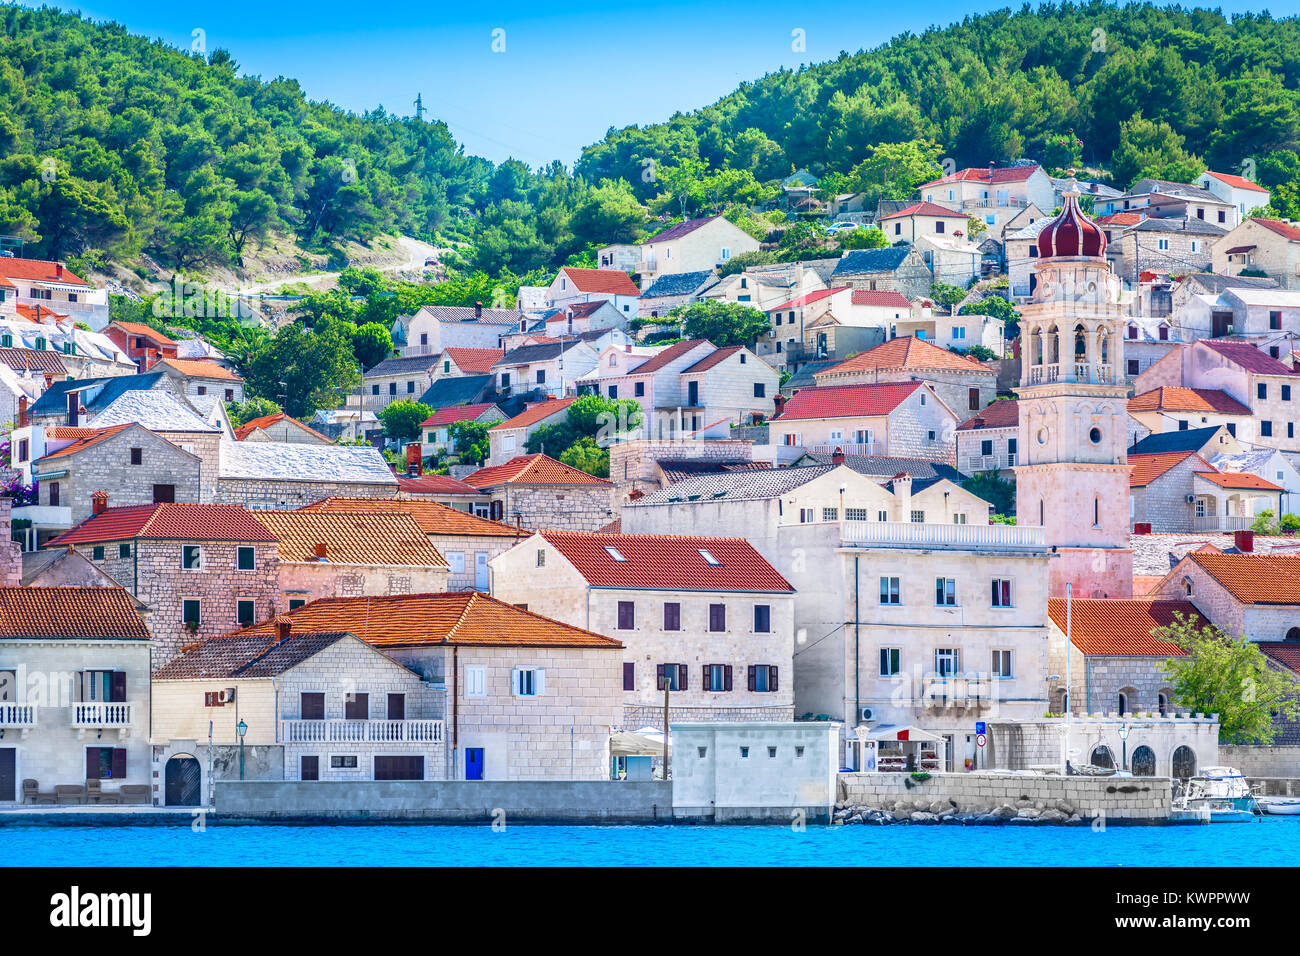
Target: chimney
x=99, y=502
x=903, y=495
x=1244, y=540
x=58, y=270
x=49, y=380
x=1142, y=527
x=837, y=456
x=322, y=551
x=478, y=311
x=283, y=626
x=22, y=411
x=779, y=402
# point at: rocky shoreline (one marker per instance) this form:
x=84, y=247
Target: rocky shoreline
x=948, y=811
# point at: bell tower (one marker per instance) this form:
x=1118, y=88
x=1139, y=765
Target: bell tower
x=1072, y=471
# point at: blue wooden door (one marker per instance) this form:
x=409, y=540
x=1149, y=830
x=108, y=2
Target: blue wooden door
x=473, y=763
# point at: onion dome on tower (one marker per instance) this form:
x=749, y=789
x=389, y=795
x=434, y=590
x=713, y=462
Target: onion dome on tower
x=1071, y=234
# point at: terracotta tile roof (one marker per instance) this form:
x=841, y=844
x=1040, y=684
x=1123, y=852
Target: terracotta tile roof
x=135, y=328
x=532, y=470
x=379, y=539
x=41, y=270
x=1237, y=182
x=1247, y=356
x=605, y=281
x=924, y=209
x=456, y=413
x=433, y=518
x=712, y=359
x=200, y=368
x=1121, y=627
x=1286, y=653
x=806, y=299
x=1238, y=480
x=1120, y=219
x=34, y=360
x=536, y=413
x=266, y=421
x=1253, y=578
x=474, y=360
x=670, y=354
x=666, y=562
x=1281, y=228
x=434, y=485
x=38, y=313
x=983, y=174
x=846, y=401
x=189, y=522
x=874, y=297
x=68, y=432
x=1003, y=414
x=575, y=310
x=70, y=612
x=96, y=436
x=1147, y=468
x=6, y=284
x=248, y=657
x=460, y=617
x=907, y=352
x=1176, y=398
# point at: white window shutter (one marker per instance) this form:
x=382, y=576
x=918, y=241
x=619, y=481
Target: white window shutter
x=514, y=682
x=539, y=682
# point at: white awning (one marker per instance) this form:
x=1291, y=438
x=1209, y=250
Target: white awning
x=904, y=732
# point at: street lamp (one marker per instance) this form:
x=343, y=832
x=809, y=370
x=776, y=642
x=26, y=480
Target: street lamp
x=241, y=728
x=1124, y=730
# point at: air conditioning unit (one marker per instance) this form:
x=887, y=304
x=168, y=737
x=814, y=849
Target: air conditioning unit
x=226, y=696
x=1191, y=499
x=867, y=714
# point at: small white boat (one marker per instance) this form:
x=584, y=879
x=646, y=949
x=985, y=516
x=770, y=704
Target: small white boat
x=1222, y=792
x=1280, y=806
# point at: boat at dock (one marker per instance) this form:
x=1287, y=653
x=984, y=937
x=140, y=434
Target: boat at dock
x=1280, y=806
x=1217, y=795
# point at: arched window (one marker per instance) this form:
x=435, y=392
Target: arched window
x=1101, y=756
x=1096, y=511
x=1041, y=513
x=1127, y=698
x=1187, y=586
x=1293, y=635
x=1080, y=343
x=1162, y=701
x=1143, y=762
x=1184, y=763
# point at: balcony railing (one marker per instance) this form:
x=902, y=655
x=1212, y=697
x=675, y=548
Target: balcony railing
x=911, y=534
x=1081, y=372
x=363, y=731
x=978, y=463
x=850, y=448
x=647, y=265
x=1222, y=522
x=943, y=691
x=102, y=714
x=995, y=202
x=17, y=715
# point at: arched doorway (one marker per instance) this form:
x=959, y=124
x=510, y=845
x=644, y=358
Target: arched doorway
x=1184, y=763
x=182, y=782
x=1144, y=762
x=1101, y=756
x=1292, y=636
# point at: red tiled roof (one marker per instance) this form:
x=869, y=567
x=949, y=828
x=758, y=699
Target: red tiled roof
x=38, y=313
x=874, y=297
x=434, y=485
x=1147, y=468
x=70, y=612
x=374, y=540
x=907, y=352
x=1285, y=653
x=1176, y=398
x=40, y=270
x=846, y=401
x=412, y=620
x=1248, y=357
x=983, y=174
x=96, y=436
x=135, y=328
x=1121, y=627
x=1238, y=480
x=532, y=470
x=432, y=517
x=924, y=209
x=607, y=281
x=666, y=562
x=250, y=426
x=1003, y=414
x=536, y=413
x=474, y=360
x=1237, y=182
x=68, y=432
x=712, y=359
x=1253, y=578
x=201, y=368
x=1284, y=229
x=806, y=299
x=669, y=354
x=168, y=521
x=456, y=413
x=576, y=310
x=1120, y=219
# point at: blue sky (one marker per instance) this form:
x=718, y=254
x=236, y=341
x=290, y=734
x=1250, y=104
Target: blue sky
x=568, y=71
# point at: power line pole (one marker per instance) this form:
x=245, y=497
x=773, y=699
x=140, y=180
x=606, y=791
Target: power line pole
x=419, y=107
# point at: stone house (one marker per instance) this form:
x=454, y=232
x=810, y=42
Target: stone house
x=667, y=292
x=395, y=379
x=963, y=384
x=435, y=328
x=790, y=318
x=279, y=475
x=436, y=429
x=1268, y=464
x=445, y=490
x=73, y=402
x=579, y=318
x=467, y=542
x=1163, y=245
x=202, y=377
x=898, y=268
x=1116, y=667
x=729, y=385
x=546, y=368
x=996, y=196
x=1208, y=442
x=53, y=568
x=1176, y=408
x=456, y=362
x=74, y=691
x=573, y=285
x=903, y=419
x=279, y=427
x=509, y=439
x=534, y=491
x=692, y=246
x=338, y=708
x=988, y=441
x=1255, y=595
x=921, y=219
x=525, y=697
x=1270, y=246
x=342, y=554
x=1182, y=491
x=1164, y=199
x=708, y=619
x=201, y=569
x=646, y=465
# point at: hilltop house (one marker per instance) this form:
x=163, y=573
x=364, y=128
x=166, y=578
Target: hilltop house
x=436, y=429
x=202, y=377
x=435, y=328
x=544, y=368
x=280, y=427
x=572, y=285
x=691, y=247
x=1238, y=191
x=671, y=290
x=898, y=268
x=52, y=285
x=993, y=195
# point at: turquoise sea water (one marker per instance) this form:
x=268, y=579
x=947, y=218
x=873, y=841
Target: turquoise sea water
x=1271, y=841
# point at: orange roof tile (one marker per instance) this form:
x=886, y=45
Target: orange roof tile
x=1147, y=468
x=668, y=354
x=536, y=413
x=95, y=436
x=1003, y=414
x=807, y=298
x=1176, y=398
x=846, y=401
x=68, y=432
x=907, y=352
x=668, y=562
x=1238, y=182
x=1284, y=229
x=434, y=485
x=41, y=270
x=201, y=368
x=608, y=281
x=70, y=612
x=38, y=313
x=925, y=209
x=135, y=328
x=1121, y=627
x=250, y=426
x=190, y=522
x=1285, y=653
x=1145, y=584
x=474, y=360
x=1238, y=480
x=880, y=297
x=1253, y=578
x=433, y=518
x=407, y=620
x=712, y=359
x=536, y=469
x=378, y=539
x=34, y=360
x=456, y=413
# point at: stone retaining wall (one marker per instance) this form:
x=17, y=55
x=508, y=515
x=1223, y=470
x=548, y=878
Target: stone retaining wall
x=1256, y=761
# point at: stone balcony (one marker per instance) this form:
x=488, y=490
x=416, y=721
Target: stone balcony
x=102, y=715
x=21, y=716
x=362, y=731
x=957, y=537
